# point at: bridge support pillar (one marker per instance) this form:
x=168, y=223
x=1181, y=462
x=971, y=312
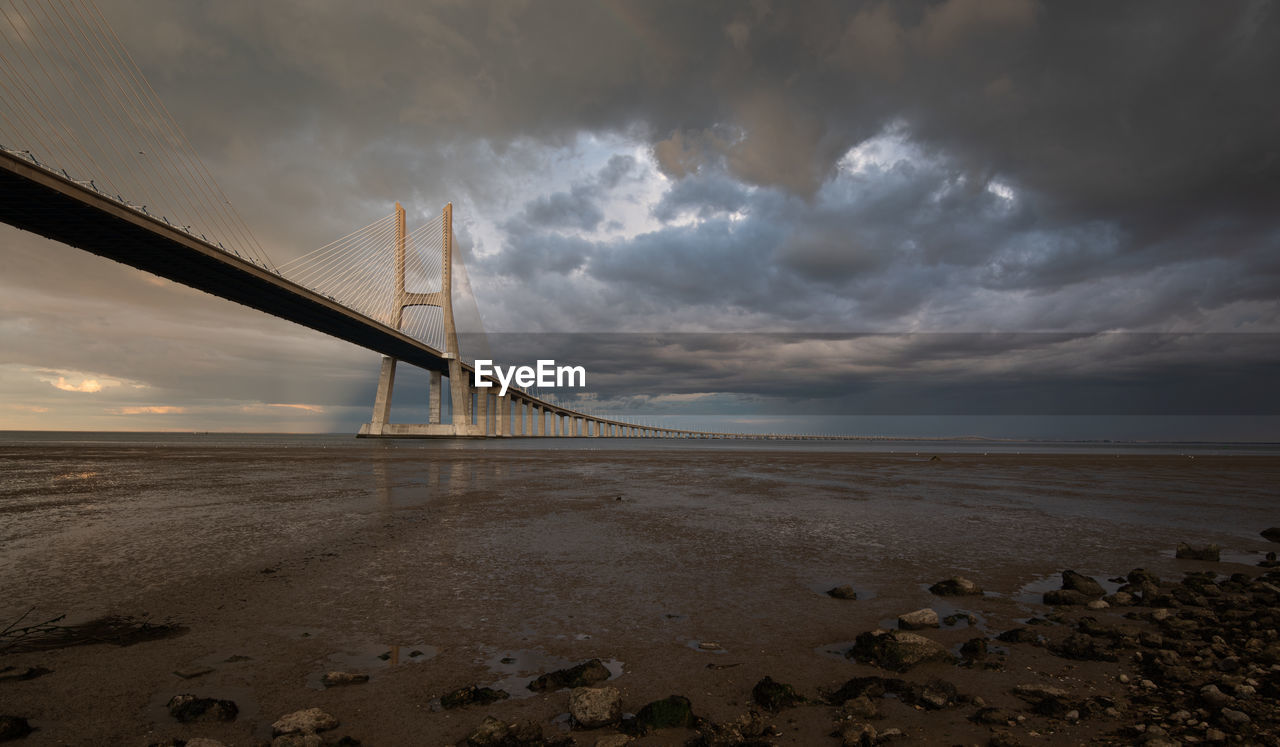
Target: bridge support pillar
x=460, y=393
x=382, y=402
x=433, y=398
x=502, y=419
x=483, y=418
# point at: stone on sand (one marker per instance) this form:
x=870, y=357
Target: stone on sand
x=956, y=586
x=896, y=650
x=842, y=592
x=306, y=721
x=189, y=708
x=593, y=707
x=918, y=620
x=1202, y=552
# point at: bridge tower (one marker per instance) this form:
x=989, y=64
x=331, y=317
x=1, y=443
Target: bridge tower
x=459, y=386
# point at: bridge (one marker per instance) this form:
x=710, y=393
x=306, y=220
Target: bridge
x=89, y=157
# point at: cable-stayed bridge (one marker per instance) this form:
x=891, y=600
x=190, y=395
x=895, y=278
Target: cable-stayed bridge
x=90, y=157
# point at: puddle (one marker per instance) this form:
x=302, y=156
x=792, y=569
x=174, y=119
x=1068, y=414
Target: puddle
x=370, y=659
x=520, y=667
x=834, y=650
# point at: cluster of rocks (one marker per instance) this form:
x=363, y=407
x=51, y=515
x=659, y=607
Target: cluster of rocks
x=595, y=708
x=1204, y=650
x=298, y=729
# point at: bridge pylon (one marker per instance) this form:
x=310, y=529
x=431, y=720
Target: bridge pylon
x=460, y=389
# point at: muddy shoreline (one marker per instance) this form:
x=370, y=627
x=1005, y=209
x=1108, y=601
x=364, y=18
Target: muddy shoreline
x=499, y=567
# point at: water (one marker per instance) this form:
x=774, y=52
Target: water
x=91, y=518
x=862, y=445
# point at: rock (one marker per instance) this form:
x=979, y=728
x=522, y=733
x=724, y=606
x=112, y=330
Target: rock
x=974, y=648
x=495, y=733
x=1120, y=599
x=1272, y=534
x=1097, y=604
x=297, y=740
x=956, y=586
x=872, y=687
x=189, y=708
x=470, y=695
x=1018, y=635
x=862, y=707
x=1034, y=692
x=671, y=712
x=204, y=742
x=613, y=740
x=13, y=727
x=1213, y=697
x=896, y=650
x=1206, y=552
x=918, y=620
x=193, y=672
x=956, y=617
x=1215, y=735
x=842, y=592
x=933, y=695
x=774, y=696
x=491, y=731
x=335, y=679
x=993, y=717
x=1233, y=718
x=1082, y=583
x=585, y=674
x=1083, y=647
x=746, y=729
x=858, y=735
x=593, y=707
x=1065, y=597
x=308, y=721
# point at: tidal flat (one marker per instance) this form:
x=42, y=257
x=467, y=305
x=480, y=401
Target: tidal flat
x=698, y=572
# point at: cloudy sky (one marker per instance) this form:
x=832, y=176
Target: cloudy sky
x=1002, y=212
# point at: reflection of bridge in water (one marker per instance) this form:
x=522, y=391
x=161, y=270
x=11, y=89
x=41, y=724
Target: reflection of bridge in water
x=84, y=137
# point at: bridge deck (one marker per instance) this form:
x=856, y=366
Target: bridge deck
x=38, y=201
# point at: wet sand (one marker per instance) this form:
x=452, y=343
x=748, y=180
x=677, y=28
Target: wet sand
x=498, y=566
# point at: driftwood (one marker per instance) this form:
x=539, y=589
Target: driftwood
x=49, y=634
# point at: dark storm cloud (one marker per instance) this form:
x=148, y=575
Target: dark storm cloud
x=1148, y=120
x=928, y=374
